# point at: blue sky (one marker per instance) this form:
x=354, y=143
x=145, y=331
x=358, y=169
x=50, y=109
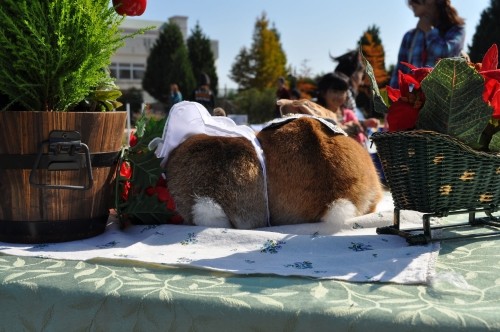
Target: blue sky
x=310, y=29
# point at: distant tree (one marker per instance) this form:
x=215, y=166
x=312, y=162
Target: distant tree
x=202, y=57
x=487, y=32
x=258, y=104
x=242, y=70
x=167, y=63
x=307, y=87
x=261, y=65
x=305, y=69
x=373, y=51
x=133, y=97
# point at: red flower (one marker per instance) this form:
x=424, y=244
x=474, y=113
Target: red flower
x=130, y=7
x=133, y=140
x=126, y=170
x=408, y=100
x=126, y=188
x=161, y=182
x=165, y=197
x=176, y=219
x=150, y=191
x=488, y=69
x=402, y=116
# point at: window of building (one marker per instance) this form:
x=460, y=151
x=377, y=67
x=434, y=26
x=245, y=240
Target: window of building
x=138, y=71
x=127, y=71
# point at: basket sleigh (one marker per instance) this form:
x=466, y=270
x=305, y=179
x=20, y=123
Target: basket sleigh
x=438, y=175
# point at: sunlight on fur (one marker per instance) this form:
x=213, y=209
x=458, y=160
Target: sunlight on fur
x=337, y=213
x=206, y=212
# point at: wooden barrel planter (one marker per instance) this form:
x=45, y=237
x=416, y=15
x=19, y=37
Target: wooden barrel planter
x=56, y=174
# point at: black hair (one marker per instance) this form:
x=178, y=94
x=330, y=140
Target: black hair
x=331, y=81
x=348, y=63
x=204, y=79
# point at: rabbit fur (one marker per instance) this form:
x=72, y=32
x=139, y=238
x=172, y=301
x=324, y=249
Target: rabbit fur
x=313, y=175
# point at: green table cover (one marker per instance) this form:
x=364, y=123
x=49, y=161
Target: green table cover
x=39, y=294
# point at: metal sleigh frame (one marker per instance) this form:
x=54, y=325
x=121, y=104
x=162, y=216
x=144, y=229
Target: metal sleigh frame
x=426, y=237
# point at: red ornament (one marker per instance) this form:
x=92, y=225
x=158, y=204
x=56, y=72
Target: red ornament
x=130, y=7
x=133, y=140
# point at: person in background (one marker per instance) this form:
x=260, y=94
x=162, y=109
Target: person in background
x=295, y=94
x=332, y=94
x=440, y=33
x=351, y=65
x=219, y=111
x=282, y=92
x=175, y=94
x=203, y=94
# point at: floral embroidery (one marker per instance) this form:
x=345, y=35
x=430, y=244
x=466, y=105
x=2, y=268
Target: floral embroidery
x=108, y=245
x=40, y=246
x=356, y=226
x=358, y=246
x=272, y=246
x=301, y=265
x=190, y=240
x=184, y=260
x=149, y=227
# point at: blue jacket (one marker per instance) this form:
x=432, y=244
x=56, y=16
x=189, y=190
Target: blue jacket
x=425, y=49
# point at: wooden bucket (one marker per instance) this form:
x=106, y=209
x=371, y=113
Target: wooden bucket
x=56, y=174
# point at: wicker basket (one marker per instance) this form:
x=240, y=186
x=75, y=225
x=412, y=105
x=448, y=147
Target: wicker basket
x=437, y=174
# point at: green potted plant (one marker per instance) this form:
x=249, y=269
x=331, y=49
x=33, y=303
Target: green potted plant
x=60, y=137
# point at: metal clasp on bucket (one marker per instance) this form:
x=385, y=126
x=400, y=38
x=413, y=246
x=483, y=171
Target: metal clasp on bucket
x=64, y=153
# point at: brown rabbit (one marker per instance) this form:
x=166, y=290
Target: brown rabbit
x=313, y=175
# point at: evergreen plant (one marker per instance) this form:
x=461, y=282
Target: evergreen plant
x=55, y=53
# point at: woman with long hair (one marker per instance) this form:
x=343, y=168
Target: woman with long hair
x=440, y=33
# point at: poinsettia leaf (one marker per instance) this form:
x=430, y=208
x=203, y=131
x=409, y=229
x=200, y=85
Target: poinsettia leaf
x=379, y=103
x=494, y=74
x=154, y=128
x=490, y=59
x=147, y=129
x=454, y=103
x=146, y=169
x=140, y=126
x=494, y=145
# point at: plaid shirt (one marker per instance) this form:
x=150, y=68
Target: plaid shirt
x=425, y=49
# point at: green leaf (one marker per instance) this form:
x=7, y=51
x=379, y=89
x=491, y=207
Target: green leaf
x=379, y=102
x=495, y=142
x=146, y=169
x=103, y=95
x=454, y=104
x=148, y=210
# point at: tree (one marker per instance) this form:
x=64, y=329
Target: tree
x=201, y=57
x=242, y=69
x=168, y=63
x=487, y=32
x=257, y=104
x=373, y=51
x=261, y=65
x=133, y=97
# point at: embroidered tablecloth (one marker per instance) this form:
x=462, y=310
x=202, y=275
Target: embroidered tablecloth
x=354, y=253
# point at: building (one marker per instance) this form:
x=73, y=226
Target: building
x=129, y=62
